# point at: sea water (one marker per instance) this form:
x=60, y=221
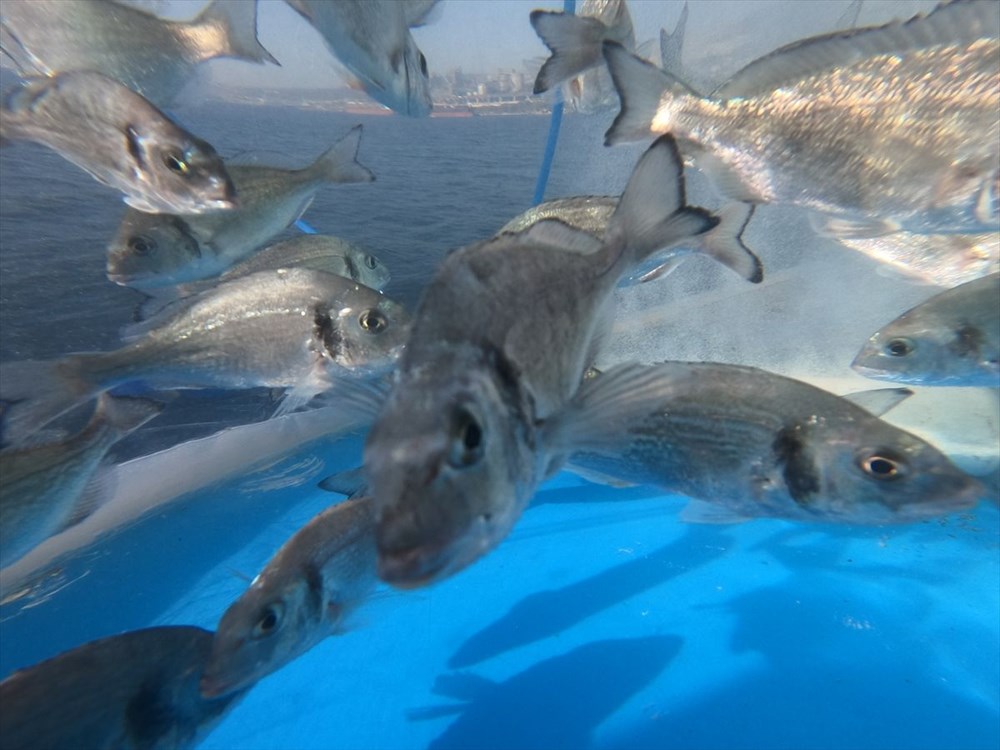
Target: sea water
x=603, y=621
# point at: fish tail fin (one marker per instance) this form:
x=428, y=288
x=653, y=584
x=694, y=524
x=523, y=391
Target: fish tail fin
x=724, y=243
x=672, y=45
x=237, y=20
x=575, y=42
x=34, y=392
x=340, y=163
x=125, y=414
x=652, y=214
x=641, y=88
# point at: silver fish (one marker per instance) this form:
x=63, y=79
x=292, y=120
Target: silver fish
x=147, y=54
x=591, y=213
x=133, y=691
x=318, y=252
x=301, y=596
x=372, y=38
x=745, y=443
x=575, y=42
x=121, y=139
x=899, y=124
x=943, y=259
x=951, y=339
x=290, y=328
x=503, y=335
x=42, y=487
x=154, y=250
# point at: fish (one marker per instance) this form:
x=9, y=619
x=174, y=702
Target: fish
x=44, y=488
x=591, y=213
x=951, y=339
x=155, y=250
x=133, y=691
x=372, y=39
x=122, y=140
x=745, y=443
x=943, y=259
x=150, y=55
x=897, y=125
x=301, y=596
x=499, y=343
x=319, y=252
x=295, y=328
x=576, y=53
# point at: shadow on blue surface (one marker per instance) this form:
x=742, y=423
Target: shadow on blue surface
x=556, y=703
x=809, y=696
x=547, y=613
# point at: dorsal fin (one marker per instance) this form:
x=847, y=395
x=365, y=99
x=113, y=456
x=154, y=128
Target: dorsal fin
x=880, y=400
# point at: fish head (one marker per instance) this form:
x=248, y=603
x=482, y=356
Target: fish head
x=270, y=625
x=933, y=352
x=450, y=462
x=366, y=269
x=398, y=79
x=366, y=332
x=152, y=250
x=179, y=173
x=857, y=468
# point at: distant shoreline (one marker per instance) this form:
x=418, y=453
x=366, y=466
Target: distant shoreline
x=490, y=107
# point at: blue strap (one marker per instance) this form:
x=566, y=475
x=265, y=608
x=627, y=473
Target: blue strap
x=569, y=7
x=304, y=227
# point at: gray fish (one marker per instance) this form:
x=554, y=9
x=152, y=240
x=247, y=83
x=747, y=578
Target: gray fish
x=324, y=571
x=897, y=125
x=504, y=333
x=591, y=213
x=745, y=443
x=318, y=252
x=951, y=339
x=291, y=328
x=943, y=259
x=42, y=487
x=372, y=38
x=133, y=691
x=575, y=42
x=121, y=139
x=147, y=54
x=154, y=250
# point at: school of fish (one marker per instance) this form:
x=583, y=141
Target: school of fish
x=887, y=138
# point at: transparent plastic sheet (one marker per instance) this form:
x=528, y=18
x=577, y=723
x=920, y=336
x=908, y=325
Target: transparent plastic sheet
x=603, y=621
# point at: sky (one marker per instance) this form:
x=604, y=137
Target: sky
x=481, y=36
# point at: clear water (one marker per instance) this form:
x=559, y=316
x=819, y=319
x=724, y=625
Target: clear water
x=603, y=621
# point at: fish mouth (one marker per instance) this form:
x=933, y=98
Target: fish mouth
x=870, y=371
x=415, y=567
x=215, y=687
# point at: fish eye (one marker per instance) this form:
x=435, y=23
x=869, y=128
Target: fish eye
x=881, y=465
x=423, y=64
x=899, y=347
x=141, y=245
x=175, y=163
x=372, y=321
x=371, y=261
x=467, y=440
x=269, y=620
